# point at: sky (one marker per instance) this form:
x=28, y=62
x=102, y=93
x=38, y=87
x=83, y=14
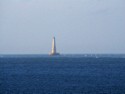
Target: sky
x=80, y=26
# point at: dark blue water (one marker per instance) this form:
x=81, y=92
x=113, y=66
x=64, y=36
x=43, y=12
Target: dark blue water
x=62, y=75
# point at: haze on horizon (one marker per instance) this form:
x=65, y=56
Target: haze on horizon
x=80, y=26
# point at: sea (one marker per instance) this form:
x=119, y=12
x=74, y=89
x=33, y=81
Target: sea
x=63, y=74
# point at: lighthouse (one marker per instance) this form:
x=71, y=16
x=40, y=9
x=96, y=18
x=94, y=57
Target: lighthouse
x=53, y=50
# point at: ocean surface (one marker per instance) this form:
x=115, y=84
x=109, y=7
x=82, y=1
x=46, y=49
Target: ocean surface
x=65, y=74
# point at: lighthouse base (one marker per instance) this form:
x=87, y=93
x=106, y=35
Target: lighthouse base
x=54, y=54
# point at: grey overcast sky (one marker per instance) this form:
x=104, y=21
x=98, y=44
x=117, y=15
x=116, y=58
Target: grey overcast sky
x=80, y=26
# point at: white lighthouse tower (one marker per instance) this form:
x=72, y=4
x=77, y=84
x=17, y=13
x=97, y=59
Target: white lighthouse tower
x=53, y=51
